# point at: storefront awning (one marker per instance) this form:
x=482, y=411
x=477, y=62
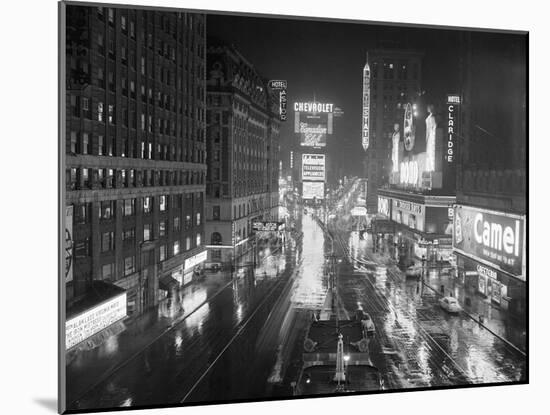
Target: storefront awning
x=167, y=283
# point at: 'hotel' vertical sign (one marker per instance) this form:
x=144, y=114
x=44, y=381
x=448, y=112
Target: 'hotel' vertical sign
x=453, y=102
x=279, y=85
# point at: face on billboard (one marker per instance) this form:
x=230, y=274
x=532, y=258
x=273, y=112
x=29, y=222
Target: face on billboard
x=312, y=190
x=490, y=236
x=313, y=167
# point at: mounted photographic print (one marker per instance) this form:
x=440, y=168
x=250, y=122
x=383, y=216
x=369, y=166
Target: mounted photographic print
x=258, y=207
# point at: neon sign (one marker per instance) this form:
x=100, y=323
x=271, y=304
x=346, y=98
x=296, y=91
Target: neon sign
x=366, y=106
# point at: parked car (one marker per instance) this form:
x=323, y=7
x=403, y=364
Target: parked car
x=450, y=304
x=414, y=271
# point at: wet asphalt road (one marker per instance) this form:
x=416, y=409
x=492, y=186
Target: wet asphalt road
x=417, y=343
x=232, y=345
x=245, y=341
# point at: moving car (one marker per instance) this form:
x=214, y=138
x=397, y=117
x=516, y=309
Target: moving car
x=414, y=271
x=450, y=304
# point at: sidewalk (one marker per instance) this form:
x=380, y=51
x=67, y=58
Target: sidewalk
x=88, y=368
x=442, y=280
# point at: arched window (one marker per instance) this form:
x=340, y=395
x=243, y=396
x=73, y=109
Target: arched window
x=216, y=239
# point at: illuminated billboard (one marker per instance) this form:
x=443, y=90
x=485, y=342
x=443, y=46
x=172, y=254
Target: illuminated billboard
x=494, y=238
x=453, y=101
x=313, y=134
x=313, y=107
x=313, y=167
x=312, y=190
x=313, y=121
x=280, y=86
x=92, y=321
x=366, y=107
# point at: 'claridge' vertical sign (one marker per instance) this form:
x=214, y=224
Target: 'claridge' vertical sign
x=366, y=105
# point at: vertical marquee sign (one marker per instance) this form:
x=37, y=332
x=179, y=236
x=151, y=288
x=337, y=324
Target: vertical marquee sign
x=366, y=106
x=280, y=85
x=453, y=102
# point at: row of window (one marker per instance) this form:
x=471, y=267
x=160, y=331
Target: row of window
x=164, y=75
x=85, y=178
x=107, y=208
x=81, y=143
x=80, y=107
x=165, y=251
x=128, y=27
x=392, y=69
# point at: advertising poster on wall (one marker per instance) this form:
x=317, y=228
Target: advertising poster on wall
x=313, y=167
x=312, y=190
x=495, y=238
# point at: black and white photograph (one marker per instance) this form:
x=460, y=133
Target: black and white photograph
x=259, y=207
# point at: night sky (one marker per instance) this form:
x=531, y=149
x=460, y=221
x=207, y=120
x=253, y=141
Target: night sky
x=325, y=60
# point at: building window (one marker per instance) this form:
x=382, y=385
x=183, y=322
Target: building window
x=215, y=212
x=187, y=243
x=107, y=209
x=198, y=239
x=129, y=207
x=198, y=219
x=81, y=213
x=111, y=16
x=162, y=253
x=162, y=228
x=146, y=232
x=100, y=145
x=100, y=111
x=112, y=114
x=129, y=235
x=176, y=247
x=129, y=265
x=108, y=271
x=187, y=222
x=85, y=143
x=147, y=204
x=82, y=248
x=107, y=241
x=73, y=142
x=123, y=22
x=162, y=203
x=177, y=224
x=85, y=177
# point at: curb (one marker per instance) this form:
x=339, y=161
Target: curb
x=513, y=346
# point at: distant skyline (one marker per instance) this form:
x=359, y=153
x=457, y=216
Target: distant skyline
x=324, y=60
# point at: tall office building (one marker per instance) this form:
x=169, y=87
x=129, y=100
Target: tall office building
x=135, y=155
x=395, y=77
x=492, y=176
x=243, y=152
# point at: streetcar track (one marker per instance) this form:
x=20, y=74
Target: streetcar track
x=177, y=323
